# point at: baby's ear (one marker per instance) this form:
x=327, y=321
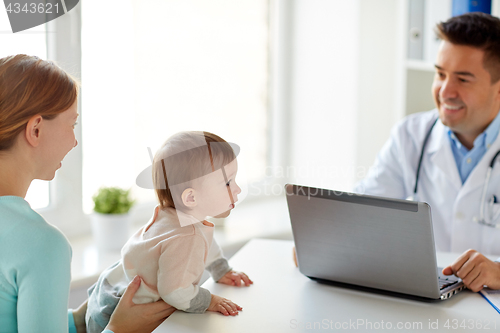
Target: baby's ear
x=189, y=198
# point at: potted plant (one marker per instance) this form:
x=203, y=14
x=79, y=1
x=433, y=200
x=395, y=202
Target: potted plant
x=111, y=219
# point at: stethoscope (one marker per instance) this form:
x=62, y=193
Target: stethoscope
x=493, y=200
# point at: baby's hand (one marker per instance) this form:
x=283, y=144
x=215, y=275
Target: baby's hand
x=233, y=278
x=224, y=306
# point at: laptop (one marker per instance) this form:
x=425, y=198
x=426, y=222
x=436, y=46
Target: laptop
x=367, y=242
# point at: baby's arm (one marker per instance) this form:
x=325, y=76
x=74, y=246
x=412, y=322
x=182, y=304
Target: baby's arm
x=218, y=267
x=216, y=264
x=181, y=264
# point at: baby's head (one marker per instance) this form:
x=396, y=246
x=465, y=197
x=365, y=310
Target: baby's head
x=195, y=172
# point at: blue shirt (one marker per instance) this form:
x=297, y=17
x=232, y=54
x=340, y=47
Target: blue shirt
x=467, y=160
x=34, y=272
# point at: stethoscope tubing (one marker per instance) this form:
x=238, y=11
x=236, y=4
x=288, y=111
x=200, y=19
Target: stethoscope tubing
x=492, y=163
x=482, y=219
x=422, y=156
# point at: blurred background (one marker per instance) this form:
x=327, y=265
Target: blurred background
x=309, y=89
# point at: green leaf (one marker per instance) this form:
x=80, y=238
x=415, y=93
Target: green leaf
x=112, y=200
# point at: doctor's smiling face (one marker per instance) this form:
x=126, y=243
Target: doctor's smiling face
x=466, y=98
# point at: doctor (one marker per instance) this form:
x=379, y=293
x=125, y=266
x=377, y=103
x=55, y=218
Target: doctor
x=457, y=143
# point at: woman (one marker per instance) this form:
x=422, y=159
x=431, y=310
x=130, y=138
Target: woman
x=38, y=112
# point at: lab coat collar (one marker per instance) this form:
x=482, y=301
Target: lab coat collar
x=492, y=131
x=439, y=152
x=478, y=175
x=438, y=138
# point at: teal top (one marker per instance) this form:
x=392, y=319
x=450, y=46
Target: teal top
x=35, y=271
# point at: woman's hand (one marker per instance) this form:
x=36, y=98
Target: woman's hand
x=137, y=318
x=79, y=318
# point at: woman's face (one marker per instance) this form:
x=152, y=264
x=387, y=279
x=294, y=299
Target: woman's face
x=57, y=139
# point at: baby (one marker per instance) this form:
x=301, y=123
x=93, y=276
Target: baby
x=194, y=177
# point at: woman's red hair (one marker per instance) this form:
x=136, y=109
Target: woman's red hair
x=30, y=86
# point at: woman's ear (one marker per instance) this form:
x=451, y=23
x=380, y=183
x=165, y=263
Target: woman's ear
x=32, y=132
x=189, y=198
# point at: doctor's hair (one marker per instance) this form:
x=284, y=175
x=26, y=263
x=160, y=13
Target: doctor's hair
x=182, y=159
x=477, y=30
x=30, y=86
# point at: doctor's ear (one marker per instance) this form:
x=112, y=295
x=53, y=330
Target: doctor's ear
x=189, y=198
x=32, y=132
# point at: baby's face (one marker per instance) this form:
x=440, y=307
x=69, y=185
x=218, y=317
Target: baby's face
x=218, y=192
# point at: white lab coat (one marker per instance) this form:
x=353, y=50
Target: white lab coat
x=453, y=205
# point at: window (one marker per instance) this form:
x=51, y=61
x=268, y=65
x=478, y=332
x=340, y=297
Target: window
x=32, y=42
x=157, y=68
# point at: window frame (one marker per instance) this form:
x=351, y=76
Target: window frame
x=65, y=191
x=65, y=209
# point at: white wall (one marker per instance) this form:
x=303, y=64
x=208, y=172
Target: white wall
x=343, y=61
x=323, y=101
x=378, y=61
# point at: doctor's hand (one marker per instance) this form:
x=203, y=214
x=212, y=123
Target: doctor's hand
x=475, y=270
x=294, y=255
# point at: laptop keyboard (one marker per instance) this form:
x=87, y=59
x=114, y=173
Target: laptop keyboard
x=446, y=282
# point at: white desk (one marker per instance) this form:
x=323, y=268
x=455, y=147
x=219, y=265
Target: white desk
x=283, y=300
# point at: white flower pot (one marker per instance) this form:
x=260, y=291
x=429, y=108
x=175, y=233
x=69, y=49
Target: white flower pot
x=110, y=231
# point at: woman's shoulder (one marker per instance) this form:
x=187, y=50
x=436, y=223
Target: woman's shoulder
x=30, y=245
x=21, y=225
